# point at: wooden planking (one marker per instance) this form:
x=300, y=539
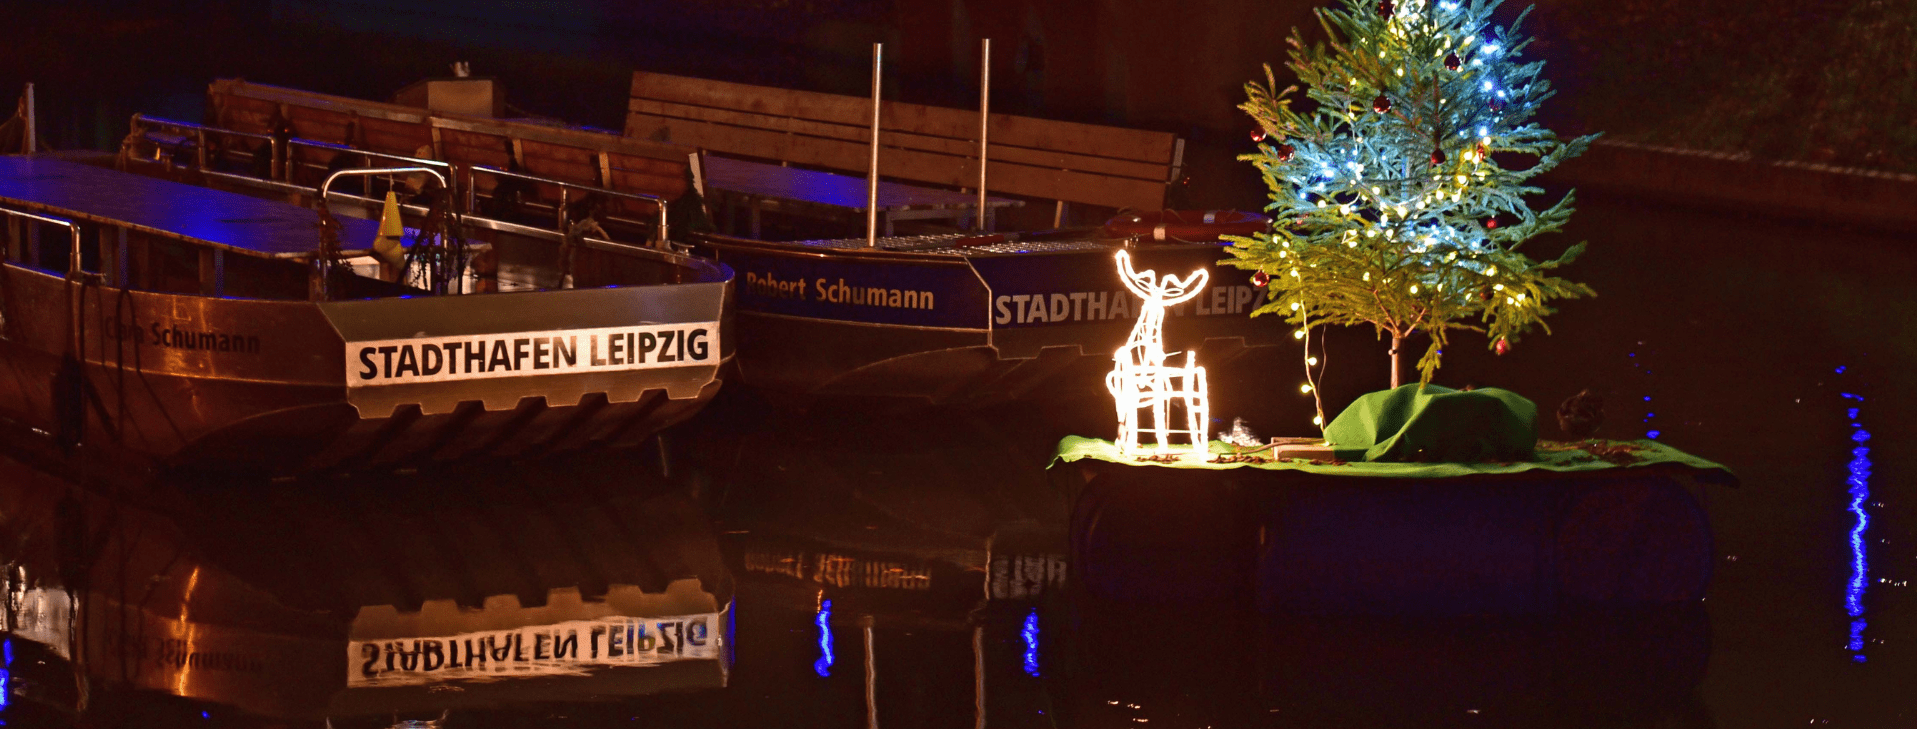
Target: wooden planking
x=293, y=97
x=999, y=151
x=643, y=175
x=567, y=164
x=634, y=165
x=1072, y=137
x=243, y=114
x=1017, y=179
x=473, y=148
x=320, y=125
x=395, y=137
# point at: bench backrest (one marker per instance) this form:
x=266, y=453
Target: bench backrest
x=1052, y=160
x=597, y=159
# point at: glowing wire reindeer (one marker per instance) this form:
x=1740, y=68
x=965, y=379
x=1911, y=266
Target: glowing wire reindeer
x=1141, y=378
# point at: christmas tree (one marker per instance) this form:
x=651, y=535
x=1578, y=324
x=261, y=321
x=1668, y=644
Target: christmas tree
x=1390, y=197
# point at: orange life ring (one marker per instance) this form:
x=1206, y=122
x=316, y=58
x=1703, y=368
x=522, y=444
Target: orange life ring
x=1187, y=226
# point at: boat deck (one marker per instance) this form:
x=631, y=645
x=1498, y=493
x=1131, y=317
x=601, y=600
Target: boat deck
x=215, y=218
x=950, y=244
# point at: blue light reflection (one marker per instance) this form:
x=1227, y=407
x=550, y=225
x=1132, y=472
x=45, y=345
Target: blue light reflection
x=1030, y=634
x=1859, y=483
x=823, y=666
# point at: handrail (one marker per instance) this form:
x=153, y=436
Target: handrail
x=73, y=231
x=349, y=149
x=325, y=187
x=445, y=172
x=563, y=188
x=199, y=132
x=324, y=260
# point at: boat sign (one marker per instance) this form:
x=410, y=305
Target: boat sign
x=568, y=648
x=521, y=354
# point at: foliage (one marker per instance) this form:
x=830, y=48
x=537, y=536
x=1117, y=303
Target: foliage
x=1391, y=198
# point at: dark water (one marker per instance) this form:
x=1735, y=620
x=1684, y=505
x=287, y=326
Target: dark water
x=846, y=566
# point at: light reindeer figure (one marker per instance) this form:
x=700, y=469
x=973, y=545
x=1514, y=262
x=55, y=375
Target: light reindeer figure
x=1141, y=378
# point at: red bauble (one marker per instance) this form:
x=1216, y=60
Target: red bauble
x=1258, y=135
x=1497, y=106
x=1502, y=346
x=1259, y=279
x=1491, y=222
x=1386, y=9
x=1437, y=156
x=1381, y=104
x=1284, y=152
x=1451, y=61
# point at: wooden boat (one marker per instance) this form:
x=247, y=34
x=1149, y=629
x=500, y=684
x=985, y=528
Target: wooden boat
x=191, y=327
x=975, y=318
x=958, y=319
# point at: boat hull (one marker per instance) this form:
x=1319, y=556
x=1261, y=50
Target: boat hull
x=964, y=329
x=211, y=382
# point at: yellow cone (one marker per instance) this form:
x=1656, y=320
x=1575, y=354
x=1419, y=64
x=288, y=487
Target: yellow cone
x=387, y=246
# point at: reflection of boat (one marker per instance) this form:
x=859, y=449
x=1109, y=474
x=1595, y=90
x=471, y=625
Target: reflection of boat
x=192, y=325
x=382, y=595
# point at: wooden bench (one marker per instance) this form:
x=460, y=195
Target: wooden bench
x=761, y=187
x=1067, y=162
x=579, y=156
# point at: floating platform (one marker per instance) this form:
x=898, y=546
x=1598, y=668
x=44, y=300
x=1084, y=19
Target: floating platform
x=1412, y=539
x=179, y=324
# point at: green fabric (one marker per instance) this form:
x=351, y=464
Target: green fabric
x=1074, y=448
x=1435, y=423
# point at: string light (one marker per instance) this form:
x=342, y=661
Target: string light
x=1141, y=380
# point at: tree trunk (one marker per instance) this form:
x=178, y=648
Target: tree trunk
x=1397, y=369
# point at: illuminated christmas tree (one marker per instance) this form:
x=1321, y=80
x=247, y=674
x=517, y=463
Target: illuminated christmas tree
x=1390, y=197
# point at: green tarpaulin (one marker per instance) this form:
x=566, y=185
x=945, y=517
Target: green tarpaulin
x=1435, y=423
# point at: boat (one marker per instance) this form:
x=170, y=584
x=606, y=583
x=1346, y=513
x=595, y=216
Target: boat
x=970, y=318
x=965, y=319
x=192, y=327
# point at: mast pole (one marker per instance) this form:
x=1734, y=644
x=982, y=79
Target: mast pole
x=984, y=119
x=872, y=174
x=32, y=134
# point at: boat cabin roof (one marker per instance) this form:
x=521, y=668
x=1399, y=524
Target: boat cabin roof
x=198, y=215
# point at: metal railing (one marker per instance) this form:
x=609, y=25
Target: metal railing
x=464, y=175
x=73, y=232
x=199, y=134
x=565, y=190
x=441, y=171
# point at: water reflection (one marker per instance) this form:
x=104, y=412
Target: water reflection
x=1858, y=481
x=823, y=666
x=359, y=601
